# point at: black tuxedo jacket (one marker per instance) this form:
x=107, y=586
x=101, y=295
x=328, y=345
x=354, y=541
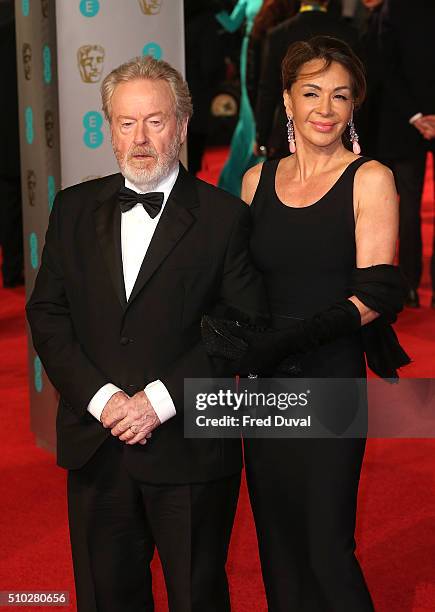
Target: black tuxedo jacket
x=88, y=335
x=407, y=45
x=269, y=112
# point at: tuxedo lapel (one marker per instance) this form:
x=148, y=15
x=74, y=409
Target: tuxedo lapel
x=176, y=219
x=108, y=227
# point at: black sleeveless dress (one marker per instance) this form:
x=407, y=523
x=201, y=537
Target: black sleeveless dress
x=304, y=491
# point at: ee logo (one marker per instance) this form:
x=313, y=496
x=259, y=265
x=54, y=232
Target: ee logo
x=89, y=8
x=37, y=369
x=46, y=62
x=28, y=119
x=33, y=243
x=153, y=49
x=25, y=6
x=51, y=188
x=93, y=136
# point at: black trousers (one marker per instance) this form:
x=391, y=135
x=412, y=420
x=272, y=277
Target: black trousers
x=11, y=230
x=116, y=523
x=409, y=176
x=303, y=494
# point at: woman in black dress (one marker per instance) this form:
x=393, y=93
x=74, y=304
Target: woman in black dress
x=318, y=215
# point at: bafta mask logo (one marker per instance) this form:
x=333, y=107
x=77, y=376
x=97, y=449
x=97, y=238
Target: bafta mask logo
x=27, y=61
x=224, y=105
x=150, y=7
x=45, y=8
x=49, y=128
x=90, y=59
x=31, y=187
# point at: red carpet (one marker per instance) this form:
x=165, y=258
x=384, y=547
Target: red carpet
x=396, y=526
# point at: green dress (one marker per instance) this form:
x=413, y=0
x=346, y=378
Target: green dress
x=241, y=157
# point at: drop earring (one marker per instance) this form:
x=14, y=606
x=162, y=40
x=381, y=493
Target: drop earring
x=354, y=137
x=291, y=135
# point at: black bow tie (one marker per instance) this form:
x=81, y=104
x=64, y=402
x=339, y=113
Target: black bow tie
x=152, y=202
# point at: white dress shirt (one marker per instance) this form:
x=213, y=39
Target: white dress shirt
x=137, y=230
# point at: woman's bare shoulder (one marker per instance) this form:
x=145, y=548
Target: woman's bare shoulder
x=250, y=183
x=374, y=174
x=375, y=188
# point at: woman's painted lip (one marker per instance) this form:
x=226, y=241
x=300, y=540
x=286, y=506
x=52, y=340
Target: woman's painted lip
x=322, y=127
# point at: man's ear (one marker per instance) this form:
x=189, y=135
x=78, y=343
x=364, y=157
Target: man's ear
x=183, y=130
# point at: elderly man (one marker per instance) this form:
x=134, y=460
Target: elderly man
x=131, y=262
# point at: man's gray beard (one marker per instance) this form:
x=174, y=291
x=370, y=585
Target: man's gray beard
x=147, y=180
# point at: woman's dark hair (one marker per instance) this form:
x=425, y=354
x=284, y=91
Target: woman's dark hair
x=271, y=14
x=329, y=50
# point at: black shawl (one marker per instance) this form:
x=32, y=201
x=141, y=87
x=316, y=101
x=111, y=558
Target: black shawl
x=382, y=289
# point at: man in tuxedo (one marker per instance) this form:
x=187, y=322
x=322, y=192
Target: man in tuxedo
x=313, y=19
x=408, y=102
x=131, y=262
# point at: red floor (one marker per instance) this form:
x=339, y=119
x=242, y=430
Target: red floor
x=396, y=521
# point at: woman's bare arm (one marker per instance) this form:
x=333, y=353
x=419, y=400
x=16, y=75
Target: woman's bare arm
x=377, y=222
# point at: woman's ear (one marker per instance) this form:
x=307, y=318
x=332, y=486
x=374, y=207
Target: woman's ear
x=287, y=103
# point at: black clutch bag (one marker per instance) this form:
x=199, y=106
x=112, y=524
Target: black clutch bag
x=229, y=340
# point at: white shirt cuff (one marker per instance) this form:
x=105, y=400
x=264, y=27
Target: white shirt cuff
x=100, y=399
x=160, y=400
x=415, y=117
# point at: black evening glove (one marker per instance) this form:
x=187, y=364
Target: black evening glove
x=264, y=351
x=223, y=339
